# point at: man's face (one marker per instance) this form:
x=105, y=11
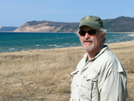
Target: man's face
x=91, y=42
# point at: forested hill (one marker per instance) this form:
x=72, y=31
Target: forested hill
x=120, y=24
x=7, y=29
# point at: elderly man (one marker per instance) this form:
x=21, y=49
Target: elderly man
x=99, y=75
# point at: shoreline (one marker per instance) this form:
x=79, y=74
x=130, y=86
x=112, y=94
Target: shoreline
x=59, y=32
x=111, y=45
x=120, y=32
x=124, y=37
x=131, y=35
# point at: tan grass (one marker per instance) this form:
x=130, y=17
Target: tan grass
x=44, y=75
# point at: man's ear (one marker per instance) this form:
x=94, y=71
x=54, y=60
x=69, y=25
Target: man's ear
x=103, y=36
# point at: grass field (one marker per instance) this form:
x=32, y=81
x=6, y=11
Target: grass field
x=44, y=75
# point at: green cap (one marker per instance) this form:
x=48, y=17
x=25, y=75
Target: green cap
x=91, y=21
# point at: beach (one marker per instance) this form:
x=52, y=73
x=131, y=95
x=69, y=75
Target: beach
x=44, y=75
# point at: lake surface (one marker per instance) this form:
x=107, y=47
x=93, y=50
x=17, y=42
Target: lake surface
x=18, y=41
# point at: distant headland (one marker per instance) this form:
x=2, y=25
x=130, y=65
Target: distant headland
x=119, y=24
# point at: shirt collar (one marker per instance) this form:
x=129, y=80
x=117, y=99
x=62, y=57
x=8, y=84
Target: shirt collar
x=105, y=47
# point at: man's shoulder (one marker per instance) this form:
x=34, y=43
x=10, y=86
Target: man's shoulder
x=107, y=55
x=111, y=62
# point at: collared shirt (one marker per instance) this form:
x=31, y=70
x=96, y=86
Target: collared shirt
x=101, y=78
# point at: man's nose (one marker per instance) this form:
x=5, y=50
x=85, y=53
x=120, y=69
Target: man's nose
x=87, y=35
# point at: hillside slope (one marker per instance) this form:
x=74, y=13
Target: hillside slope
x=47, y=26
x=120, y=24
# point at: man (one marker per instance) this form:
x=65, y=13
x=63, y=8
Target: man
x=99, y=75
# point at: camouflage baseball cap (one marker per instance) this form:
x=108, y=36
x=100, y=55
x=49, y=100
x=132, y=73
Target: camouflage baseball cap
x=91, y=21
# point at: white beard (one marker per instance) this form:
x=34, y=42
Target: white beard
x=89, y=49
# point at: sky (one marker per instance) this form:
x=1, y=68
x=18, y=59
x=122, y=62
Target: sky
x=18, y=12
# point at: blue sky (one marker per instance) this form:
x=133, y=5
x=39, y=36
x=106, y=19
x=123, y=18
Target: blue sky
x=18, y=12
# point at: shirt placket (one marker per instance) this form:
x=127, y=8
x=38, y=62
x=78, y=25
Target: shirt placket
x=87, y=65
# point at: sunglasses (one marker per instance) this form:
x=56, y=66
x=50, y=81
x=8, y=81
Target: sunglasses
x=90, y=32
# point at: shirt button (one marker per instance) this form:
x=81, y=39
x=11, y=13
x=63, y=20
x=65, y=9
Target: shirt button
x=77, y=85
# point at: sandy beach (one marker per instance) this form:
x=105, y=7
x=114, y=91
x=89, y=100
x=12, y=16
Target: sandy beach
x=44, y=75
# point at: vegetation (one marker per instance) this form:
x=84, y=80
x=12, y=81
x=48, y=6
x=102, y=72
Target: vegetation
x=120, y=24
x=3, y=29
x=44, y=75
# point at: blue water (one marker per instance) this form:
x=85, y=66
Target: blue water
x=18, y=41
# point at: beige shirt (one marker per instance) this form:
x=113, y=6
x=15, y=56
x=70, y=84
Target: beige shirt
x=102, y=78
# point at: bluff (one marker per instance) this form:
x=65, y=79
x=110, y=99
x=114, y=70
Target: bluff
x=119, y=24
x=47, y=26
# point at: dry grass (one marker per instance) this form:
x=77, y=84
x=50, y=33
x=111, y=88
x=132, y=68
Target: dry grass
x=44, y=75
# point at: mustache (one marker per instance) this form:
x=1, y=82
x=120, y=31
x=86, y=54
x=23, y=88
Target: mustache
x=87, y=40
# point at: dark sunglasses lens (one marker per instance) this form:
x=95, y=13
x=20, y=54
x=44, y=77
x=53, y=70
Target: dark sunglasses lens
x=82, y=33
x=92, y=32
